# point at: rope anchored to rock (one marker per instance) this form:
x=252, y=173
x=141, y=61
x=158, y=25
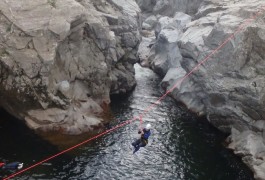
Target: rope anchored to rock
x=239, y=29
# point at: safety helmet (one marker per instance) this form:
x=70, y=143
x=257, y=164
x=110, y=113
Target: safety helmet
x=20, y=166
x=148, y=127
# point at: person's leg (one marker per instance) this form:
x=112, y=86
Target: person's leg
x=136, y=143
x=141, y=144
x=136, y=149
x=12, y=165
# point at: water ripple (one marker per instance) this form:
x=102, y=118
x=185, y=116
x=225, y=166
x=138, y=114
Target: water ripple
x=181, y=146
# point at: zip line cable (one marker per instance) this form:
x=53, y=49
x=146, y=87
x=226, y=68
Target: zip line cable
x=239, y=29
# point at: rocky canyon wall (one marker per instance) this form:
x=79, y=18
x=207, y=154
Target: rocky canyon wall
x=229, y=88
x=61, y=59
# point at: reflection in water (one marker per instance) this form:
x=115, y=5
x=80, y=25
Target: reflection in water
x=181, y=146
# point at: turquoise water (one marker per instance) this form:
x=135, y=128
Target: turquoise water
x=182, y=146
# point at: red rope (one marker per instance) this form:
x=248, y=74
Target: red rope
x=71, y=148
x=2, y=164
x=151, y=106
x=239, y=29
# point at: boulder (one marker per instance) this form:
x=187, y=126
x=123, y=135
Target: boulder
x=182, y=19
x=61, y=59
x=165, y=53
x=250, y=146
x=144, y=50
x=149, y=23
x=146, y=5
x=169, y=7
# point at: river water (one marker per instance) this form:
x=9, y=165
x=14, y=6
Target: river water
x=181, y=147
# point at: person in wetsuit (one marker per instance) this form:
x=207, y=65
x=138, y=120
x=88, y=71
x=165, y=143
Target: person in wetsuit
x=143, y=141
x=11, y=166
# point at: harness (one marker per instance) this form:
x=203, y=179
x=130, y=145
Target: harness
x=145, y=141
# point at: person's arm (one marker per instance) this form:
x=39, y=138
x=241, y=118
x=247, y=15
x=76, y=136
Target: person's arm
x=141, y=131
x=146, y=134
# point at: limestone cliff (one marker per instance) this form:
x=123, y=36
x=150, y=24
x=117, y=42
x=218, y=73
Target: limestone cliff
x=61, y=59
x=229, y=89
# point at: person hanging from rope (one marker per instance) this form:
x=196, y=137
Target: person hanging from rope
x=11, y=166
x=143, y=140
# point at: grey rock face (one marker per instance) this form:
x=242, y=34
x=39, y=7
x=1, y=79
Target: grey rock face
x=164, y=53
x=147, y=5
x=144, y=50
x=169, y=7
x=60, y=60
x=149, y=22
x=251, y=146
x=229, y=88
x=161, y=52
